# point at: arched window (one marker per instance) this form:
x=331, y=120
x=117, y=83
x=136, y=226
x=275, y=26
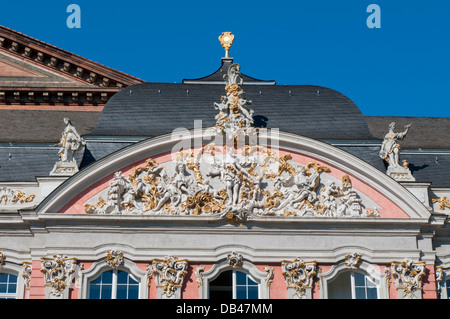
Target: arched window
x=8, y=286
x=352, y=285
x=101, y=281
x=114, y=284
x=232, y=284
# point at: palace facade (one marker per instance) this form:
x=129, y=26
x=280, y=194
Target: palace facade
x=222, y=187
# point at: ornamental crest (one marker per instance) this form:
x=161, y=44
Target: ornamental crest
x=58, y=272
x=170, y=273
x=408, y=276
x=114, y=258
x=299, y=275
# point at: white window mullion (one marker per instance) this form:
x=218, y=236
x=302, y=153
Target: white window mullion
x=234, y=284
x=114, y=285
x=352, y=284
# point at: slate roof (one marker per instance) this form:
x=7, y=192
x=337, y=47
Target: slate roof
x=42, y=126
x=152, y=109
x=425, y=132
x=23, y=163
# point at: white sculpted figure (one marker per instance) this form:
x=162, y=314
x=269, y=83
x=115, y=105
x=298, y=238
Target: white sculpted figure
x=390, y=149
x=70, y=142
x=297, y=189
x=230, y=172
x=173, y=189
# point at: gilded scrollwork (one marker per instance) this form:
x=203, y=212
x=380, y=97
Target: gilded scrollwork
x=442, y=201
x=270, y=274
x=353, y=260
x=8, y=195
x=408, y=276
x=235, y=259
x=58, y=272
x=299, y=275
x=199, y=270
x=114, y=258
x=26, y=273
x=170, y=273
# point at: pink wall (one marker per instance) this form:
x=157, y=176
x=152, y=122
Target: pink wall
x=190, y=289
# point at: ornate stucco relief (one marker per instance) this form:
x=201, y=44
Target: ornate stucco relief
x=58, y=272
x=170, y=273
x=299, y=276
x=408, y=277
x=233, y=186
x=9, y=196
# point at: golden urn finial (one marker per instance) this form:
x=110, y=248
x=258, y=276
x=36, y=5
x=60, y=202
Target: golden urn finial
x=226, y=39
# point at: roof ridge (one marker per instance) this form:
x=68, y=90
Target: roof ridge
x=51, y=46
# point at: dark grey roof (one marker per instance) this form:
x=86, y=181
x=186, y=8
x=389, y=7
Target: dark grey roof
x=95, y=151
x=217, y=77
x=425, y=132
x=153, y=109
x=23, y=163
x=42, y=126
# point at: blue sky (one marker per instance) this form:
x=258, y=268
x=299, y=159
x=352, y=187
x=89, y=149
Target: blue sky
x=401, y=69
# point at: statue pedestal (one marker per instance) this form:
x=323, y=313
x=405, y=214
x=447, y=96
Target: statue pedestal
x=64, y=169
x=400, y=174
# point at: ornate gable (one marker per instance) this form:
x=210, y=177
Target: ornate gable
x=242, y=173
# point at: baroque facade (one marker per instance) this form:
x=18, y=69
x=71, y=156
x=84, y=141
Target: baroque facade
x=217, y=188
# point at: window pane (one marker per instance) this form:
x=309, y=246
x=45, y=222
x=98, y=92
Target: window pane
x=340, y=288
x=252, y=292
x=121, y=292
x=222, y=286
x=372, y=293
x=106, y=291
x=241, y=292
x=240, y=278
x=360, y=293
x=4, y=278
x=107, y=277
x=12, y=288
x=94, y=291
x=133, y=291
x=3, y=287
x=251, y=282
x=359, y=280
x=122, y=277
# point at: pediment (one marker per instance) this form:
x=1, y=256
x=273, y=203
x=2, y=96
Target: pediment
x=302, y=179
x=19, y=72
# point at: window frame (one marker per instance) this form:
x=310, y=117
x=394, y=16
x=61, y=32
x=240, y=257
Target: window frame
x=6, y=295
x=16, y=270
x=114, y=282
x=91, y=274
x=366, y=269
x=247, y=268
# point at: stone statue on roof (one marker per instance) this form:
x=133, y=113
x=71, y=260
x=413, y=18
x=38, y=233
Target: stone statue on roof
x=69, y=143
x=390, y=151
